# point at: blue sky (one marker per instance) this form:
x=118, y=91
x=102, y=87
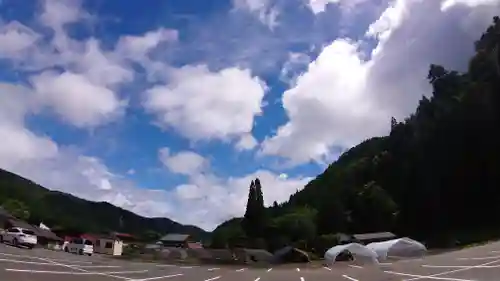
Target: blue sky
x=171, y=108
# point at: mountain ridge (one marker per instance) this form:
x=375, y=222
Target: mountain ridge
x=60, y=209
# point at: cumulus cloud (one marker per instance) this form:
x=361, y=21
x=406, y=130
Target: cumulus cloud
x=346, y=95
x=183, y=162
x=76, y=99
x=202, y=105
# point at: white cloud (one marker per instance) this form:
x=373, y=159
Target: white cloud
x=203, y=105
x=246, y=142
x=220, y=199
x=183, y=162
x=16, y=39
x=76, y=99
x=319, y=6
x=344, y=97
x=263, y=9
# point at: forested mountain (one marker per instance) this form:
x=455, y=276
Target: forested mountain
x=64, y=211
x=436, y=177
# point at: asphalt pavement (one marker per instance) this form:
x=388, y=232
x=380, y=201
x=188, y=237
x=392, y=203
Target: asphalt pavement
x=480, y=263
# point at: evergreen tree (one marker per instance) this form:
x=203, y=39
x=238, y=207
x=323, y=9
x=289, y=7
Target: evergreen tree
x=248, y=222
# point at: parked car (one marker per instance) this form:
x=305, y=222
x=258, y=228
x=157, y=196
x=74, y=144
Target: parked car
x=79, y=246
x=19, y=236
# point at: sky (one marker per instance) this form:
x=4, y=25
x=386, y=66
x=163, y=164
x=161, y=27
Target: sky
x=169, y=108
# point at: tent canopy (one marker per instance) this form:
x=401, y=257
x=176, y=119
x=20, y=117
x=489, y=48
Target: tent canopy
x=357, y=250
x=401, y=247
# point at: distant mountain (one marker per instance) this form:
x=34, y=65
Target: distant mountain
x=64, y=211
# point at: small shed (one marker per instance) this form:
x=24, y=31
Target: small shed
x=108, y=245
x=175, y=240
x=290, y=254
x=367, y=238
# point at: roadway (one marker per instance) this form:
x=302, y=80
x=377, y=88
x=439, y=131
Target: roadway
x=480, y=263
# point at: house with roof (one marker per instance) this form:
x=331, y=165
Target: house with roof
x=175, y=240
x=44, y=235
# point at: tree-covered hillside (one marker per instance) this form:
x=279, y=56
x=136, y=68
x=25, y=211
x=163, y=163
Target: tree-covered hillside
x=64, y=211
x=436, y=177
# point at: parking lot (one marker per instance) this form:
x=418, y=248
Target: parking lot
x=479, y=263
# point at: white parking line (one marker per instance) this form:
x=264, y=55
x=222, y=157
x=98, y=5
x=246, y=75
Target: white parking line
x=214, y=278
x=426, y=277
x=459, y=266
x=83, y=270
x=73, y=272
x=298, y=269
x=240, y=270
x=349, y=277
x=158, y=277
x=327, y=268
x=481, y=258
x=269, y=269
x=258, y=278
x=165, y=265
x=302, y=279
x=355, y=266
x=30, y=262
x=212, y=269
x=186, y=267
x=97, y=266
x=385, y=263
x=34, y=257
x=433, y=276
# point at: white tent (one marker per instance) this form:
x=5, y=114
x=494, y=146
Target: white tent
x=43, y=226
x=359, y=252
x=401, y=247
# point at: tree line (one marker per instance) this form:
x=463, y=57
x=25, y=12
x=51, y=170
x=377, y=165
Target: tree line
x=434, y=178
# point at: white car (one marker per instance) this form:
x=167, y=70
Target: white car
x=19, y=236
x=79, y=246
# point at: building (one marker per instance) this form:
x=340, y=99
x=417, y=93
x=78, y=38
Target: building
x=108, y=245
x=175, y=240
x=367, y=238
x=111, y=244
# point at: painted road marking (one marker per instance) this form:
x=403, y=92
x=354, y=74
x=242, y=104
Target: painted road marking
x=212, y=269
x=298, y=269
x=355, y=266
x=186, y=267
x=349, y=277
x=425, y=276
x=453, y=271
x=34, y=257
x=158, y=277
x=83, y=270
x=165, y=265
x=302, y=279
x=31, y=262
x=459, y=266
x=258, y=278
x=481, y=258
x=240, y=270
x=269, y=269
x=211, y=279
x=327, y=268
x=97, y=266
x=385, y=263
x=72, y=272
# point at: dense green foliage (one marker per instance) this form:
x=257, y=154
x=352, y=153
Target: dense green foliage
x=63, y=211
x=434, y=178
